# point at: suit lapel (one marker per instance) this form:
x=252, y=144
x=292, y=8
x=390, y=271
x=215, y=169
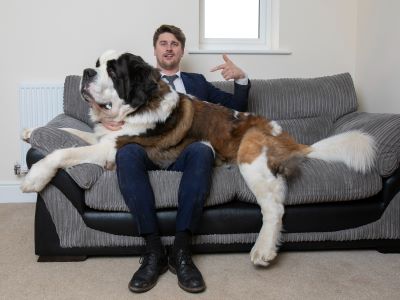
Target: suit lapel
x=188, y=83
x=194, y=85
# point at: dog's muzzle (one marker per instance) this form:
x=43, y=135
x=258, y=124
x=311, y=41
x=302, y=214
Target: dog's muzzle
x=88, y=76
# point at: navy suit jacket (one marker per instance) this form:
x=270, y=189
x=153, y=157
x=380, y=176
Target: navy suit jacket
x=196, y=85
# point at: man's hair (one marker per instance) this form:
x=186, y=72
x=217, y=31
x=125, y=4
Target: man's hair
x=176, y=31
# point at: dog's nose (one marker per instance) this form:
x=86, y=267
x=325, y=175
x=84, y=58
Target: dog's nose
x=89, y=73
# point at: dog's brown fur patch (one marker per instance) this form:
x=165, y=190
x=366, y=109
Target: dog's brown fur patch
x=235, y=137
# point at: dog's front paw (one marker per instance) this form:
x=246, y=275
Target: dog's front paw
x=26, y=134
x=38, y=177
x=31, y=184
x=262, y=255
x=28, y=185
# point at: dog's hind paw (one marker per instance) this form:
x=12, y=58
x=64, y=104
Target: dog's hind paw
x=262, y=256
x=26, y=134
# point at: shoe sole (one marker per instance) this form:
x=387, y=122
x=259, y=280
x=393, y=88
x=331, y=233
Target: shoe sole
x=138, y=290
x=190, y=290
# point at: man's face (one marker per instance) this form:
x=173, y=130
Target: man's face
x=168, y=52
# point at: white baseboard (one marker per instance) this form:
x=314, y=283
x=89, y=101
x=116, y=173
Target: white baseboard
x=10, y=193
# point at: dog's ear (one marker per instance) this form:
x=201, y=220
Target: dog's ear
x=143, y=78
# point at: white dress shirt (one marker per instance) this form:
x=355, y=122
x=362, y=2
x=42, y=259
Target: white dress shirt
x=179, y=87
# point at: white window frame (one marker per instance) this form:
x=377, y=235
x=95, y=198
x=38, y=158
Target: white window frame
x=267, y=42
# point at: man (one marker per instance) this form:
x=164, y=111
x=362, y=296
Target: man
x=196, y=163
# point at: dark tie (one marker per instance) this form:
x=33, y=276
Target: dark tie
x=171, y=79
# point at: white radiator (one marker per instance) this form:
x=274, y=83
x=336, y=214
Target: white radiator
x=38, y=104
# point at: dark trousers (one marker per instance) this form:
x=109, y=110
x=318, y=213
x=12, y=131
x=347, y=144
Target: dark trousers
x=196, y=163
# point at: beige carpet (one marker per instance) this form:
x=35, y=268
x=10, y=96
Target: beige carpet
x=294, y=275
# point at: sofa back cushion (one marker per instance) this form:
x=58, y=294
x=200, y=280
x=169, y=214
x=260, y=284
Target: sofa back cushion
x=308, y=130
x=306, y=108
x=297, y=98
x=74, y=105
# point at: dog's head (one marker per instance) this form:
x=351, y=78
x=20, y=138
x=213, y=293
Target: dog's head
x=118, y=83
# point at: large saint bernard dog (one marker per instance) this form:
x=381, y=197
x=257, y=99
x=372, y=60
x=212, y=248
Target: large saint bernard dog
x=127, y=91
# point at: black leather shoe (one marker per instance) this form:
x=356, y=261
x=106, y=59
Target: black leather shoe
x=145, y=278
x=189, y=277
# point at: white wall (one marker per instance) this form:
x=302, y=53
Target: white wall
x=320, y=34
x=44, y=40
x=378, y=60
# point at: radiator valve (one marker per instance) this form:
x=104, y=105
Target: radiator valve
x=18, y=171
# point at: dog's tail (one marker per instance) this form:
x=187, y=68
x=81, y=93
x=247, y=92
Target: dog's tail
x=354, y=148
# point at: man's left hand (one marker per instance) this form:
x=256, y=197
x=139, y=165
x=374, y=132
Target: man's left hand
x=229, y=69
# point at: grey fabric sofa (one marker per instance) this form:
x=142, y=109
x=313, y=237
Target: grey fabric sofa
x=328, y=206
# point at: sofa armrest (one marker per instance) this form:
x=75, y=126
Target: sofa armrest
x=384, y=128
x=48, y=138
x=61, y=181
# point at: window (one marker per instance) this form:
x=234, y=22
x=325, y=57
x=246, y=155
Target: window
x=241, y=23
x=237, y=26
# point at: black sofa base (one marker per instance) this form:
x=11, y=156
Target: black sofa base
x=47, y=244
x=235, y=217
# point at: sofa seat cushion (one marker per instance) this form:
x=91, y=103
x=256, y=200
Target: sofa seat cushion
x=316, y=181
x=320, y=181
x=105, y=193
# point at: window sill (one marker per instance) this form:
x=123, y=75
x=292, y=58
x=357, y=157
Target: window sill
x=256, y=52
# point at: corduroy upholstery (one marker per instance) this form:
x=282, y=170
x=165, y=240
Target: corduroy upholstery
x=318, y=181
x=325, y=201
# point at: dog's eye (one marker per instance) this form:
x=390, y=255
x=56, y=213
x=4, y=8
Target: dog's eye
x=107, y=106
